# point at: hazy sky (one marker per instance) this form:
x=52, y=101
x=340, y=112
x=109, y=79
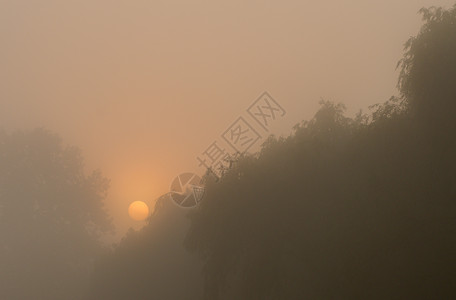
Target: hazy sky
x=143, y=87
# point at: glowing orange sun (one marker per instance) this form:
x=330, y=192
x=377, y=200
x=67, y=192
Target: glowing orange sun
x=138, y=210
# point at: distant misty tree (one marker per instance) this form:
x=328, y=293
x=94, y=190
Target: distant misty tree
x=346, y=208
x=51, y=218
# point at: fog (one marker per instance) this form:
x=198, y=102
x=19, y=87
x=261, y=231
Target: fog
x=343, y=189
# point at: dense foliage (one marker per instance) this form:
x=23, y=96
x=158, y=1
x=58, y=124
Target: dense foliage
x=346, y=208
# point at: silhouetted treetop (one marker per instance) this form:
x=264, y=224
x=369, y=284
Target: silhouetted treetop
x=428, y=68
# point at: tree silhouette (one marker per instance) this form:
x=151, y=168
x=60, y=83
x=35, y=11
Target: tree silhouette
x=346, y=208
x=51, y=218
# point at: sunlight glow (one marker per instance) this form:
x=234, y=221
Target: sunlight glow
x=138, y=210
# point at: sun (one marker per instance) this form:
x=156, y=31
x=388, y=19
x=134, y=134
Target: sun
x=138, y=210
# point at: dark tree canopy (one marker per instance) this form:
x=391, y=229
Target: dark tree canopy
x=428, y=68
x=51, y=218
x=343, y=208
x=346, y=208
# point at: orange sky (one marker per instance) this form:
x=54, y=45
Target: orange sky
x=143, y=87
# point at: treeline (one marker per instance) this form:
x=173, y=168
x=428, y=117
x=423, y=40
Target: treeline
x=343, y=208
x=346, y=208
